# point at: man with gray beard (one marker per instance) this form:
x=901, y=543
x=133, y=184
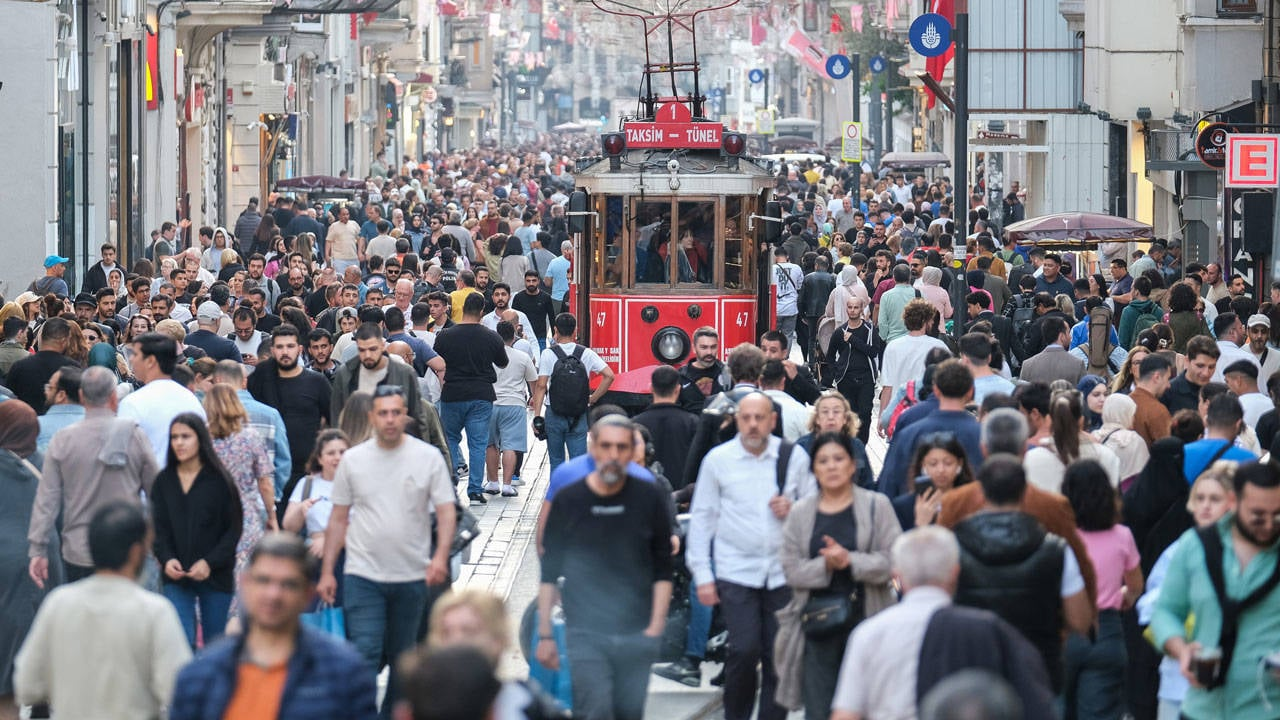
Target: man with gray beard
x=609, y=538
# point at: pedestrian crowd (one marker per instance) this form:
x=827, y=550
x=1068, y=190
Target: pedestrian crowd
x=231, y=475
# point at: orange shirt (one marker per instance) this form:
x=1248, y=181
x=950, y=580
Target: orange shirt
x=258, y=692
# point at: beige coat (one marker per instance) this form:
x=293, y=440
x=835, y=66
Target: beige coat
x=877, y=529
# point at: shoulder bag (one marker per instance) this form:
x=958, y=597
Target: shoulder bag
x=828, y=614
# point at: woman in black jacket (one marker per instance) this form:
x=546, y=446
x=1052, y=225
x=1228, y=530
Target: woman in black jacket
x=197, y=514
x=854, y=352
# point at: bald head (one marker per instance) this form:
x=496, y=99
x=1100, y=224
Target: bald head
x=401, y=349
x=755, y=420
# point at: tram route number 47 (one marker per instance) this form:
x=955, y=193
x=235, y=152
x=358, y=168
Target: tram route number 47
x=743, y=319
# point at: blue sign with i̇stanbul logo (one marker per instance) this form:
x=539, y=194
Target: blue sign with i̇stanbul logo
x=930, y=34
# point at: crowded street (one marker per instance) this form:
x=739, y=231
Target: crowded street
x=644, y=360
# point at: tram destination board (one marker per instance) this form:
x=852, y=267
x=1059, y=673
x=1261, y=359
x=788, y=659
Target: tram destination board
x=673, y=134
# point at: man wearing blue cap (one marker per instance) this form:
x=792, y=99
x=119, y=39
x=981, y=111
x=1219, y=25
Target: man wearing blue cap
x=55, y=267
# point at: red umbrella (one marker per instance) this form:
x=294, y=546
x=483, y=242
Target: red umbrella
x=635, y=381
x=1076, y=228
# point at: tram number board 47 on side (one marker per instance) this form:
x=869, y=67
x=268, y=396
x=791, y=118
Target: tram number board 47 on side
x=673, y=135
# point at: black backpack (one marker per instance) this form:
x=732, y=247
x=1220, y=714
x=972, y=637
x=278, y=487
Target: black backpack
x=1024, y=313
x=570, y=384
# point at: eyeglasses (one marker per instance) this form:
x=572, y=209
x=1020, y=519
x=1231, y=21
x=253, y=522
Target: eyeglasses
x=387, y=391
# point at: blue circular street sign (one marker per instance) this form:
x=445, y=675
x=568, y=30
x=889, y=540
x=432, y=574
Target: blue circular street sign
x=716, y=93
x=877, y=64
x=838, y=66
x=930, y=34
x=756, y=75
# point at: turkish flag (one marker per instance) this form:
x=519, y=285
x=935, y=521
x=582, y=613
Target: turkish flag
x=757, y=30
x=836, y=25
x=936, y=66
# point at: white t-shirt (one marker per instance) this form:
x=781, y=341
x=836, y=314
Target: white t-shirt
x=391, y=494
x=154, y=406
x=787, y=277
x=1255, y=405
x=547, y=362
x=904, y=359
x=795, y=415
x=321, y=490
x=512, y=387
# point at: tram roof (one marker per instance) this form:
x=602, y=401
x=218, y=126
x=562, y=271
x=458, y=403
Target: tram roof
x=701, y=171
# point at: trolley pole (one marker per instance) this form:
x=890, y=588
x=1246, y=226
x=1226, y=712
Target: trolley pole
x=960, y=207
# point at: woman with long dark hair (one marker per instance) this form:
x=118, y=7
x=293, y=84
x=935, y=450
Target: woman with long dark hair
x=514, y=264
x=198, y=516
x=1096, y=668
x=940, y=459
x=835, y=553
x=1184, y=315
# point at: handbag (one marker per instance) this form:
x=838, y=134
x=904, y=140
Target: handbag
x=468, y=529
x=827, y=614
x=327, y=619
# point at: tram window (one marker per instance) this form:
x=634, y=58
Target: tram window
x=609, y=238
x=695, y=248
x=653, y=235
x=736, y=252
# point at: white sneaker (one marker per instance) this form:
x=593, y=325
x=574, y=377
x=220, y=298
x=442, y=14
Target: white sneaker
x=491, y=487
x=517, y=481
x=509, y=491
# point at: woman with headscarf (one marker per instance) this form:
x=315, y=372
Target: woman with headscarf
x=19, y=596
x=1094, y=389
x=930, y=287
x=1118, y=434
x=849, y=285
x=514, y=264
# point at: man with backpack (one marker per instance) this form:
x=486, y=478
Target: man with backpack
x=1140, y=314
x=1021, y=311
x=1234, y=609
x=564, y=394
x=1095, y=341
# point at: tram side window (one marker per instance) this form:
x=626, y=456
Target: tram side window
x=611, y=216
x=695, y=248
x=736, y=253
x=653, y=236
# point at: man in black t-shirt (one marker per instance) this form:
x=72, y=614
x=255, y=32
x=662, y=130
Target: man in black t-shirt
x=609, y=537
x=704, y=375
x=301, y=395
x=537, y=306
x=470, y=352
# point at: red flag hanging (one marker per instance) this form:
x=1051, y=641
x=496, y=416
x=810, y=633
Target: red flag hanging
x=936, y=66
x=757, y=29
x=836, y=25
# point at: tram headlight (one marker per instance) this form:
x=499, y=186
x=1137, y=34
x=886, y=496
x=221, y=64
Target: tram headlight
x=671, y=345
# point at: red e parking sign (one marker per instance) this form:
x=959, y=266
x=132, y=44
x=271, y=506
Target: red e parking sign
x=1253, y=161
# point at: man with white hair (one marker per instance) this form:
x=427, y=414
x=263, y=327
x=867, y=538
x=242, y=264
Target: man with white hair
x=895, y=657
x=557, y=276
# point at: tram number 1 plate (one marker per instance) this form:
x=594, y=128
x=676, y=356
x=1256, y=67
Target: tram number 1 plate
x=673, y=135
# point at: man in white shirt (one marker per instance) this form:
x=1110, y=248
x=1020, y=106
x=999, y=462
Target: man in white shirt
x=787, y=277
x=795, y=414
x=1231, y=336
x=737, y=504
x=395, y=482
x=1242, y=379
x=564, y=429
x=104, y=646
x=501, y=298
x=904, y=357
x=887, y=653
x=160, y=399
x=508, y=426
x=1260, y=347
x=343, y=243
x=975, y=351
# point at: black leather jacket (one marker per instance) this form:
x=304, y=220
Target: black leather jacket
x=1011, y=566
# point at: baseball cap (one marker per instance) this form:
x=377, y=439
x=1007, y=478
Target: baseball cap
x=85, y=298
x=54, y=260
x=1259, y=319
x=208, y=310
x=347, y=312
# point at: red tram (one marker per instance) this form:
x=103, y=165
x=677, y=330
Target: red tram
x=668, y=229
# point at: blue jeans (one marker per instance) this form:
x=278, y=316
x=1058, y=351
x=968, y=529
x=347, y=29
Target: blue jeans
x=382, y=622
x=695, y=641
x=1095, y=671
x=474, y=416
x=214, y=606
x=560, y=433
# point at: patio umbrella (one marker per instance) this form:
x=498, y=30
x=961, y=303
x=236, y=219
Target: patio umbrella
x=569, y=127
x=1076, y=229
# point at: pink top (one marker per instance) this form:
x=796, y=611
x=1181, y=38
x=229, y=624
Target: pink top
x=1113, y=553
